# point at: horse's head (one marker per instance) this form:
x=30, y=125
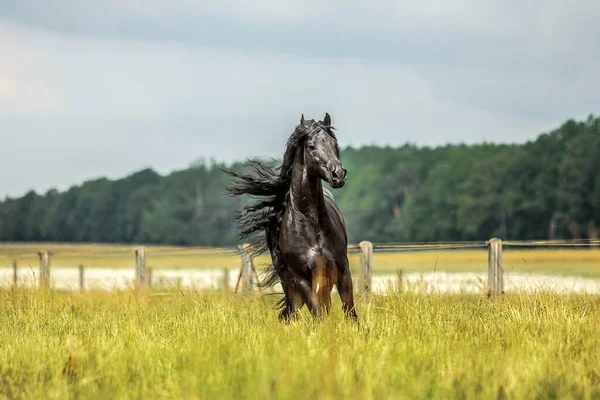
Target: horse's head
x=321, y=152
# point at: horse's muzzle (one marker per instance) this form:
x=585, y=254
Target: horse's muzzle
x=338, y=175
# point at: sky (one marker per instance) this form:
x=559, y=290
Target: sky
x=92, y=88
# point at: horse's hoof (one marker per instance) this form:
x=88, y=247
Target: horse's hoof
x=286, y=315
x=352, y=315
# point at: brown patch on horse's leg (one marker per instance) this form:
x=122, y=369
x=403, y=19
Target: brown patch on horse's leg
x=321, y=285
x=346, y=293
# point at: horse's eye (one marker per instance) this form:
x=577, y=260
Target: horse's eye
x=311, y=147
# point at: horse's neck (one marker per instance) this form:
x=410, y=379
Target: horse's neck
x=306, y=194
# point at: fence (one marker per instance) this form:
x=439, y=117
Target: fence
x=247, y=272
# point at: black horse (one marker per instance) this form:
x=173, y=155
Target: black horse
x=298, y=220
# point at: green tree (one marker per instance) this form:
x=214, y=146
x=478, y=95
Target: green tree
x=545, y=188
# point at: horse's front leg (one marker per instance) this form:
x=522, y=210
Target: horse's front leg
x=344, y=286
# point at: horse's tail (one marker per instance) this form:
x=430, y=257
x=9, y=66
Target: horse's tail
x=273, y=271
x=259, y=222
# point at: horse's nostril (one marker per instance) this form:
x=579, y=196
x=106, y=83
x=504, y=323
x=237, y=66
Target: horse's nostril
x=334, y=174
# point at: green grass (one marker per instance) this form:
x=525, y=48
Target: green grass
x=215, y=345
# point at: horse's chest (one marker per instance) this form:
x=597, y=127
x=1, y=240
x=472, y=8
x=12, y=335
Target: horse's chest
x=303, y=241
x=305, y=229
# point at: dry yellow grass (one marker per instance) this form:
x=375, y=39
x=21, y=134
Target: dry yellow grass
x=572, y=261
x=121, y=345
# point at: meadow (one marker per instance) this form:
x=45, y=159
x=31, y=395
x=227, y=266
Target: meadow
x=190, y=345
x=560, y=261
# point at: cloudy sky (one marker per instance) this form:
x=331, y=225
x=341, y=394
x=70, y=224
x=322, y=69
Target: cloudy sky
x=94, y=88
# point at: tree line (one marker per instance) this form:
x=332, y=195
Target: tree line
x=548, y=188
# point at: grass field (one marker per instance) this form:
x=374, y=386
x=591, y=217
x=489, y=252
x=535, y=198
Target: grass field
x=569, y=261
x=208, y=346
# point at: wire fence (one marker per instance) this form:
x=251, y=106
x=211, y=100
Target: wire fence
x=9, y=250
x=226, y=264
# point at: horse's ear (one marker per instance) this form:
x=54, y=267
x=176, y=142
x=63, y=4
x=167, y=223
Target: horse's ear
x=302, y=119
x=327, y=120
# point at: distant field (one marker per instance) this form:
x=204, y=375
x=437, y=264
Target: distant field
x=212, y=346
x=569, y=261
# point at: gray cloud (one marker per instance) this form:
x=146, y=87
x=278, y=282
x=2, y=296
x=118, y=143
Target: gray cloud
x=92, y=88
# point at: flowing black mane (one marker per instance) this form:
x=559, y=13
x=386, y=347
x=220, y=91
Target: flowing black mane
x=260, y=221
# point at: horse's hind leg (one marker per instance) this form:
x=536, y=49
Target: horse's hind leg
x=315, y=289
x=292, y=299
x=288, y=306
x=344, y=286
x=304, y=288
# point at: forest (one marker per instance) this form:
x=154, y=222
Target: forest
x=547, y=188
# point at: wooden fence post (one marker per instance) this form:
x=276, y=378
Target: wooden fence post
x=141, y=272
x=15, y=277
x=81, y=279
x=495, y=278
x=44, y=268
x=400, y=276
x=366, y=259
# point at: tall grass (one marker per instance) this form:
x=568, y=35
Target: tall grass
x=212, y=345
